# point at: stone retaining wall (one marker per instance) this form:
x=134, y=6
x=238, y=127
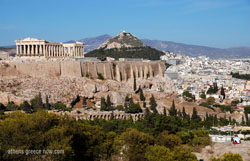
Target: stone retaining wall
x=120, y=71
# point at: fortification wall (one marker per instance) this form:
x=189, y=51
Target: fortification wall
x=39, y=69
x=120, y=71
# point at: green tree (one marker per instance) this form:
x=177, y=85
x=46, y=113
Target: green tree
x=134, y=83
x=210, y=100
x=2, y=109
x=108, y=102
x=228, y=157
x=25, y=106
x=222, y=92
x=195, y=117
x=188, y=96
x=100, y=76
x=58, y=106
x=181, y=153
x=203, y=95
x=153, y=104
x=47, y=104
x=103, y=104
x=120, y=108
x=134, y=108
x=173, y=111
x=11, y=106
x=134, y=143
x=185, y=116
x=37, y=102
x=75, y=101
x=169, y=141
x=84, y=101
x=246, y=112
x=142, y=97
x=158, y=153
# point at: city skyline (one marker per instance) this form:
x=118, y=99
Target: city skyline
x=211, y=23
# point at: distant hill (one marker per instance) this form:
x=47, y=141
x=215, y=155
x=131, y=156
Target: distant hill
x=179, y=48
x=195, y=50
x=122, y=40
x=125, y=45
x=92, y=43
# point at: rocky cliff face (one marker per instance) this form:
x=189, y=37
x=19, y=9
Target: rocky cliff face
x=63, y=80
x=122, y=40
x=120, y=71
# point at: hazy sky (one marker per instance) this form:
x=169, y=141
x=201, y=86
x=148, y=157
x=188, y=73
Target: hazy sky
x=216, y=23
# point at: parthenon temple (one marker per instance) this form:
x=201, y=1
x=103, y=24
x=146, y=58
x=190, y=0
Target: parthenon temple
x=42, y=48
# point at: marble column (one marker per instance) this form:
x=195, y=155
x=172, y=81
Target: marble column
x=54, y=50
x=36, y=50
x=25, y=50
x=43, y=49
x=17, y=50
x=32, y=50
x=23, y=53
x=28, y=52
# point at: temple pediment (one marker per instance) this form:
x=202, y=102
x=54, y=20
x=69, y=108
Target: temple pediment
x=30, y=39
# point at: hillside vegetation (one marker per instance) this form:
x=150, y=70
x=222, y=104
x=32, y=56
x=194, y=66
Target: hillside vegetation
x=133, y=52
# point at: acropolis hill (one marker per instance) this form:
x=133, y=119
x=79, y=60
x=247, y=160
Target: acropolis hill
x=120, y=71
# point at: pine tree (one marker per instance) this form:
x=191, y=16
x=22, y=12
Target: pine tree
x=47, y=104
x=134, y=83
x=37, y=102
x=103, y=104
x=243, y=121
x=195, y=116
x=184, y=114
x=147, y=114
x=142, y=97
x=164, y=112
x=173, y=111
x=153, y=104
x=84, y=101
x=207, y=117
x=222, y=92
x=144, y=104
x=109, y=104
x=215, y=122
x=179, y=113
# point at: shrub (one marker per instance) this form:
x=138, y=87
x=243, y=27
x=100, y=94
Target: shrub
x=100, y=76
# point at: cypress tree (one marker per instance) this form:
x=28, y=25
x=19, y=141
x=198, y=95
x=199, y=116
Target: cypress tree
x=153, y=104
x=195, y=116
x=108, y=104
x=134, y=83
x=179, y=113
x=47, y=104
x=103, y=104
x=164, y=112
x=84, y=101
x=173, y=111
x=243, y=121
x=184, y=114
x=142, y=97
x=222, y=92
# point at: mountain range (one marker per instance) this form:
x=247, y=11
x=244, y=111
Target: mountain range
x=178, y=48
x=92, y=43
